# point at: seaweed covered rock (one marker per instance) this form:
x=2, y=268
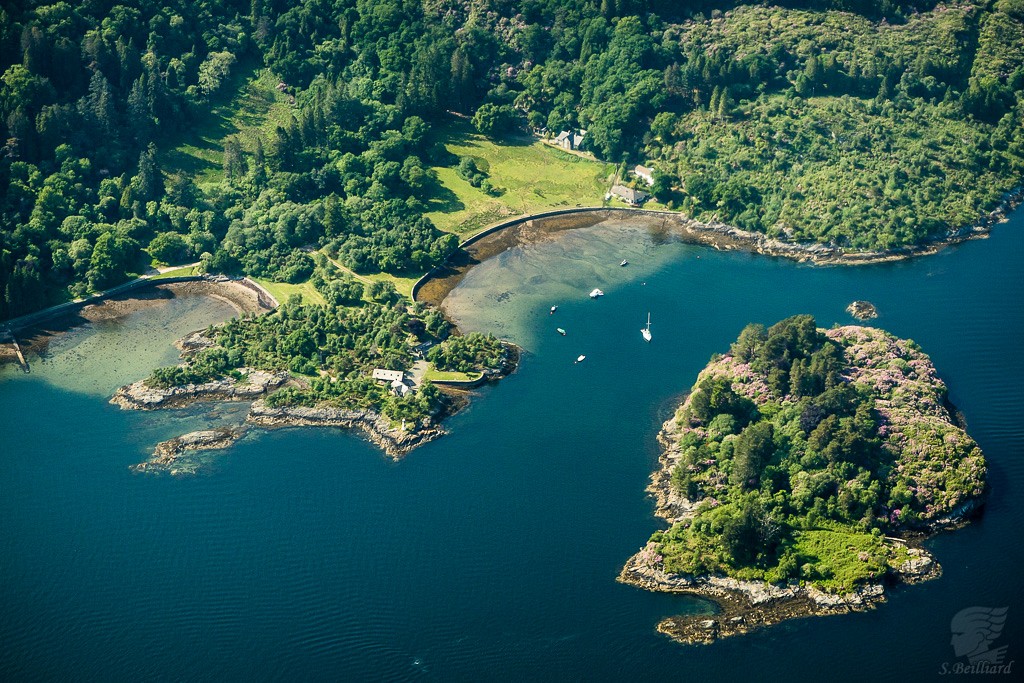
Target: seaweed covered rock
x=862, y=310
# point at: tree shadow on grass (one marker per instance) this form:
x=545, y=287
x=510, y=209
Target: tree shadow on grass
x=462, y=134
x=207, y=135
x=442, y=199
x=179, y=160
x=514, y=139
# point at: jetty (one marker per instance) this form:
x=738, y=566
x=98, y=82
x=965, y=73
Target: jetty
x=17, y=351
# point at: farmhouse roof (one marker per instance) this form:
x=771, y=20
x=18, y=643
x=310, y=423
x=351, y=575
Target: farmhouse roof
x=388, y=375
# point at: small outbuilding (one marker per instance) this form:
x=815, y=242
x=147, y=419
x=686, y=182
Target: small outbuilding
x=420, y=350
x=645, y=174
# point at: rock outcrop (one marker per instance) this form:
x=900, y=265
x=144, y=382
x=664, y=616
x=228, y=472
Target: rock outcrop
x=194, y=342
x=254, y=383
x=391, y=438
x=862, y=310
x=166, y=455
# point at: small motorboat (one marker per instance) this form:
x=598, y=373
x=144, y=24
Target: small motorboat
x=553, y=309
x=596, y=293
x=560, y=331
x=624, y=263
x=581, y=359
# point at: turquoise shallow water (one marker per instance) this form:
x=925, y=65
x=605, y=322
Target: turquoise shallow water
x=492, y=552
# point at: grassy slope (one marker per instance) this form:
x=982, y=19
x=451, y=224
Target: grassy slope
x=253, y=111
x=282, y=290
x=435, y=374
x=177, y=272
x=534, y=177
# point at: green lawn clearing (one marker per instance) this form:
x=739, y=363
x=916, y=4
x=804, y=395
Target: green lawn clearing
x=251, y=108
x=434, y=374
x=282, y=290
x=177, y=272
x=533, y=177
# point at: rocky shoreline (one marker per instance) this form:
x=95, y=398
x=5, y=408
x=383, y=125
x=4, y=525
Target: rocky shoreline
x=393, y=440
x=726, y=237
x=254, y=383
x=745, y=606
x=167, y=453
x=435, y=285
x=729, y=238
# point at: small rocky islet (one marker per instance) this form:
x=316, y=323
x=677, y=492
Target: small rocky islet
x=800, y=475
x=862, y=310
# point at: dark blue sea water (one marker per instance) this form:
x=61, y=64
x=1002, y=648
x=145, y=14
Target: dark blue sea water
x=491, y=553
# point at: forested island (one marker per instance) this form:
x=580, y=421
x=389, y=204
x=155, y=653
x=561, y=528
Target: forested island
x=798, y=475
x=247, y=136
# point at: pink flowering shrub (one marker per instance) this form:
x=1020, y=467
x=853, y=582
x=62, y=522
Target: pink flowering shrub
x=798, y=430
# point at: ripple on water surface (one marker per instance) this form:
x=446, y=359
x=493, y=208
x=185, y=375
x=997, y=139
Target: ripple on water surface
x=490, y=553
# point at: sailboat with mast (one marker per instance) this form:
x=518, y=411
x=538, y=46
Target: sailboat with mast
x=646, y=331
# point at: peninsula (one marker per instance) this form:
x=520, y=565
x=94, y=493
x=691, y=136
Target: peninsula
x=380, y=365
x=799, y=474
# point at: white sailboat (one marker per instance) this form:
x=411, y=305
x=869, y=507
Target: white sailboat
x=646, y=331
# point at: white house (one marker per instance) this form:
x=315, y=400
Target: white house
x=629, y=195
x=645, y=174
x=388, y=375
x=400, y=388
x=570, y=140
